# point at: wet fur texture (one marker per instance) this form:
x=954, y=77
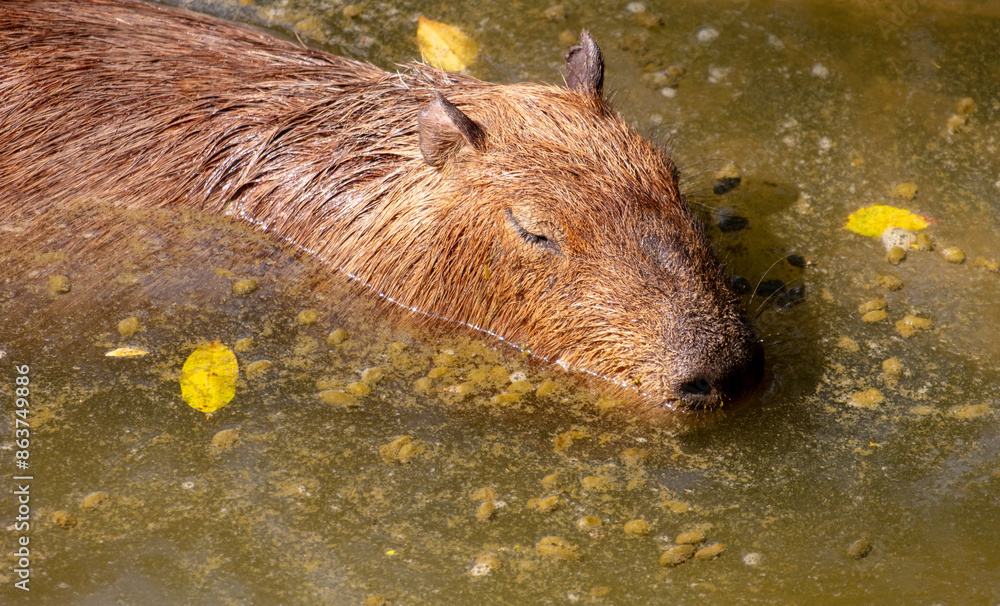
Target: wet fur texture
x=561, y=230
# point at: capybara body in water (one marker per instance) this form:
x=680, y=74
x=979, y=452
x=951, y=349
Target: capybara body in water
x=532, y=213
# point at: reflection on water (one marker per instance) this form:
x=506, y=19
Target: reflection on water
x=443, y=479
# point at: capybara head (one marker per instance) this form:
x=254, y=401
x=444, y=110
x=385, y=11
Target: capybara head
x=532, y=213
x=564, y=232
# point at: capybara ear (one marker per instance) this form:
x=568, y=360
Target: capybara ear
x=445, y=130
x=585, y=67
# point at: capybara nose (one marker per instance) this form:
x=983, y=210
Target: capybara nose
x=714, y=389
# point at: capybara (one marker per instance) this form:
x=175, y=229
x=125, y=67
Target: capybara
x=531, y=213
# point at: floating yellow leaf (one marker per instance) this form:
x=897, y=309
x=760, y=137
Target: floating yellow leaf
x=126, y=352
x=874, y=220
x=208, y=378
x=444, y=46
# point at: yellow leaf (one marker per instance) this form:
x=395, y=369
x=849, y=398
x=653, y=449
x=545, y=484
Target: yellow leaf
x=444, y=46
x=874, y=220
x=208, y=378
x=126, y=352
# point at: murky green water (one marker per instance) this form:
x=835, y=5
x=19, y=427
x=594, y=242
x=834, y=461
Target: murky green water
x=823, y=108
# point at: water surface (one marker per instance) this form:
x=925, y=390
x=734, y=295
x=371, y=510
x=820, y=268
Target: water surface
x=822, y=108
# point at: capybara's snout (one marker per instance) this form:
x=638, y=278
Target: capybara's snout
x=721, y=379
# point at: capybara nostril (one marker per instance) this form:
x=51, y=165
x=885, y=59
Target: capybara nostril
x=696, y=387
x=531, y=213
x=697, y=394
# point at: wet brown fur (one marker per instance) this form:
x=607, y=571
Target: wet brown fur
x=146, y=106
